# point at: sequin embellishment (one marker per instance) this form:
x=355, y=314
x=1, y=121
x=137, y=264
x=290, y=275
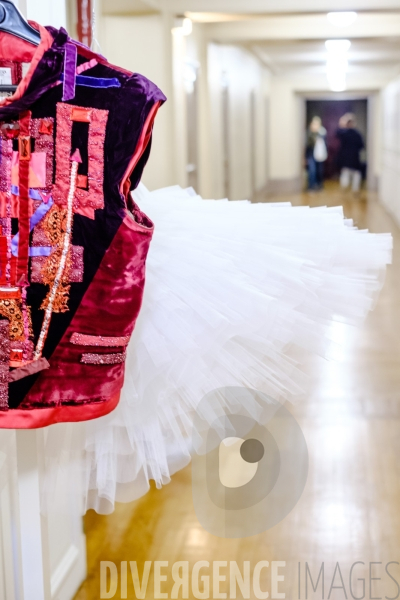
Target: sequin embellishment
x=98, y=340
x=86, y=200
x=4, y=364
x=103, y=359
x=55, y=292
x=42, y=131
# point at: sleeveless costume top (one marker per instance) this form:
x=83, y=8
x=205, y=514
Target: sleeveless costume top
x=75, y=137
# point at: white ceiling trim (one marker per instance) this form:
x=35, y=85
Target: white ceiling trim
x=281, y=6
x=130, y=7
x=304, y=27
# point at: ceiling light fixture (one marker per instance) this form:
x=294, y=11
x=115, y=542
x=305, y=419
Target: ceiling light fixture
x=337, y=63
x=338, y=47
x=342, y=19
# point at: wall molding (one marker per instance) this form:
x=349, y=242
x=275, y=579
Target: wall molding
x=279, y=187
x=63, y=542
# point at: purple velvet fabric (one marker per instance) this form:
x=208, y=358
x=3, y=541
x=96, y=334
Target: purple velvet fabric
x=69, y=75
x=95, y=82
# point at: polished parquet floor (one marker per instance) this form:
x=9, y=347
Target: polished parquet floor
x=350, y=509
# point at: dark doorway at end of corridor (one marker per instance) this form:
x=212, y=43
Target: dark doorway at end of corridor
x=330, y=112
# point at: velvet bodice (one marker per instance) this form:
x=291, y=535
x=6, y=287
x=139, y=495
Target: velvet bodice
x=75, y=138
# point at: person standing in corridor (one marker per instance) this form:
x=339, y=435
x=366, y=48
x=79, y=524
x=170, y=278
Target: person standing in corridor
x=316, y=154
x=351, y=144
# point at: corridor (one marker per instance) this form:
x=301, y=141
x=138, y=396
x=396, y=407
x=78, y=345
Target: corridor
x=268, y=101
x=349, y=510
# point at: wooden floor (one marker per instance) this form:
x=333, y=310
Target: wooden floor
x=350, y=509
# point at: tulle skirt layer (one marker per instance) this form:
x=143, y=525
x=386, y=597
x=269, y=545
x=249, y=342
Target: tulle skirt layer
x=231, y=289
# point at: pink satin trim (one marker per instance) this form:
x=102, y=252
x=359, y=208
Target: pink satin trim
x=98, y=340
x=43, y=417
x=86, y=66
x=141, y=145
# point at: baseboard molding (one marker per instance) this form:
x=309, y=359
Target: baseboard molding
x=280, y=187
x=70, y=572
x=373, y=183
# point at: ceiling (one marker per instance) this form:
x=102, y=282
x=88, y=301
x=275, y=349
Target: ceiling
x=129, y=7
x=245, y=6
x=284, y=57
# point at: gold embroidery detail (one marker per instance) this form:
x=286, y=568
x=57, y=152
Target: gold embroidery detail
x=11, y=309
x=54, y=226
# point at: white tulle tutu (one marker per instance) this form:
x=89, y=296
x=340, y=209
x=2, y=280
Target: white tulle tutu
x=231, y=289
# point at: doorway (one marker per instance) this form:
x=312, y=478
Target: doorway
x=226, y=139
x=330, y=112
x=191, y=89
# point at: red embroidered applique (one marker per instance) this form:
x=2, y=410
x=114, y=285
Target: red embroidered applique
x=86, y=200
x=42, y=131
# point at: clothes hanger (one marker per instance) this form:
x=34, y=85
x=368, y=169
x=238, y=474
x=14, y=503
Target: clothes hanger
x=12, y=21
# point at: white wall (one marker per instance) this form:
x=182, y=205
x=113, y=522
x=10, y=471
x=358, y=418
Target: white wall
x=45, y=12
x=143, y=44
x=390, y=149
x=146, y=44
x=62, y=543
x=243, y=74
x=284, y=140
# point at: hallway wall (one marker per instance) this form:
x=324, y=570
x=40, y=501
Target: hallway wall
x=243, y=77
x=286, y=140
x=141, y=44
x=45, y=12
x=390, y=149
x=146, y=44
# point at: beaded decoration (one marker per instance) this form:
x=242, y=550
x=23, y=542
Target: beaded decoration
x=86, y=200
x=42, y=131
x=6, y=151
x=4, y=363
x=103, y=359
x=83, y=339
x=63, y=258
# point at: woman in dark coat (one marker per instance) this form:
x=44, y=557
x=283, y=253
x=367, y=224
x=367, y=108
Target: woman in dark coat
x=351, y=144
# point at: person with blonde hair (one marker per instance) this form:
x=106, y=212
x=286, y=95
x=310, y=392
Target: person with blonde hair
x=316, y=154
x=351, y=144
